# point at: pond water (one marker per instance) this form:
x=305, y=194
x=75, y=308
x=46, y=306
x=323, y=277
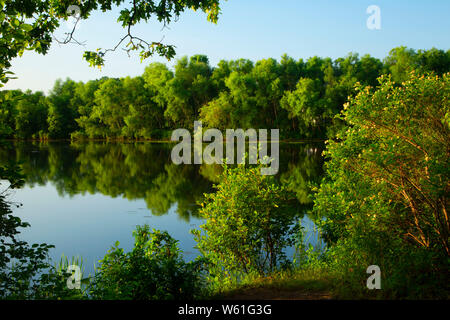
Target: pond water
x=83, y=197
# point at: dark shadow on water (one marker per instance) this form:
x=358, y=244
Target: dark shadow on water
x=145, y=171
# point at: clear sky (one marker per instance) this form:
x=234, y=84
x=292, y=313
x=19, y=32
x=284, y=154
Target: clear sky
x=252, y=29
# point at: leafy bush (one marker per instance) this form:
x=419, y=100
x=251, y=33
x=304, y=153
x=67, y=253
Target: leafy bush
x=25, y=271
x=153, y=270
x=385, y=198
x=249, y=223
x=19, y=262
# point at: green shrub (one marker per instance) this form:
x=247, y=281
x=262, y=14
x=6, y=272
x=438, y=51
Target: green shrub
x=249, y=223
x=153, y=270
x=25, y=271
x=385, y=196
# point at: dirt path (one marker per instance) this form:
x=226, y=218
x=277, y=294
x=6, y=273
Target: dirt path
x=264, y=293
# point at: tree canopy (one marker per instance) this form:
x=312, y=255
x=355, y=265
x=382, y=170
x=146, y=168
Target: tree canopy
x=301, y=98
x=30, y=24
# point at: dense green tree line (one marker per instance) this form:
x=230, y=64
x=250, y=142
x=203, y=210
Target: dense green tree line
x=301, y=98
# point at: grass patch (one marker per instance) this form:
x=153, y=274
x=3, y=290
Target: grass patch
x=304, y=284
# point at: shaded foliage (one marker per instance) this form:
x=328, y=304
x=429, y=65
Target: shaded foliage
x=153, y=270
x=25, y=270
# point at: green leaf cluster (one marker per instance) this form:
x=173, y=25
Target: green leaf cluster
x=249, y=224
x=385, y=196
x=153, y=270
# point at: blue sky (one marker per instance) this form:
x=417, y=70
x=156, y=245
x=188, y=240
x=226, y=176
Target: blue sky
x=253, y=29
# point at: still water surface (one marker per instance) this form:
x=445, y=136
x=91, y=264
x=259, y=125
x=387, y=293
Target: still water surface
x=84, y=197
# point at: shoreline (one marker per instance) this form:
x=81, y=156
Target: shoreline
x=290, y=141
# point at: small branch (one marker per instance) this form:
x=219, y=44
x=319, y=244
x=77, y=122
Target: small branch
x=69, y=36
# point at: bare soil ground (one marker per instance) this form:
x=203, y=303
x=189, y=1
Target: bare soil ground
x=278, y=294
x=287, y=289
